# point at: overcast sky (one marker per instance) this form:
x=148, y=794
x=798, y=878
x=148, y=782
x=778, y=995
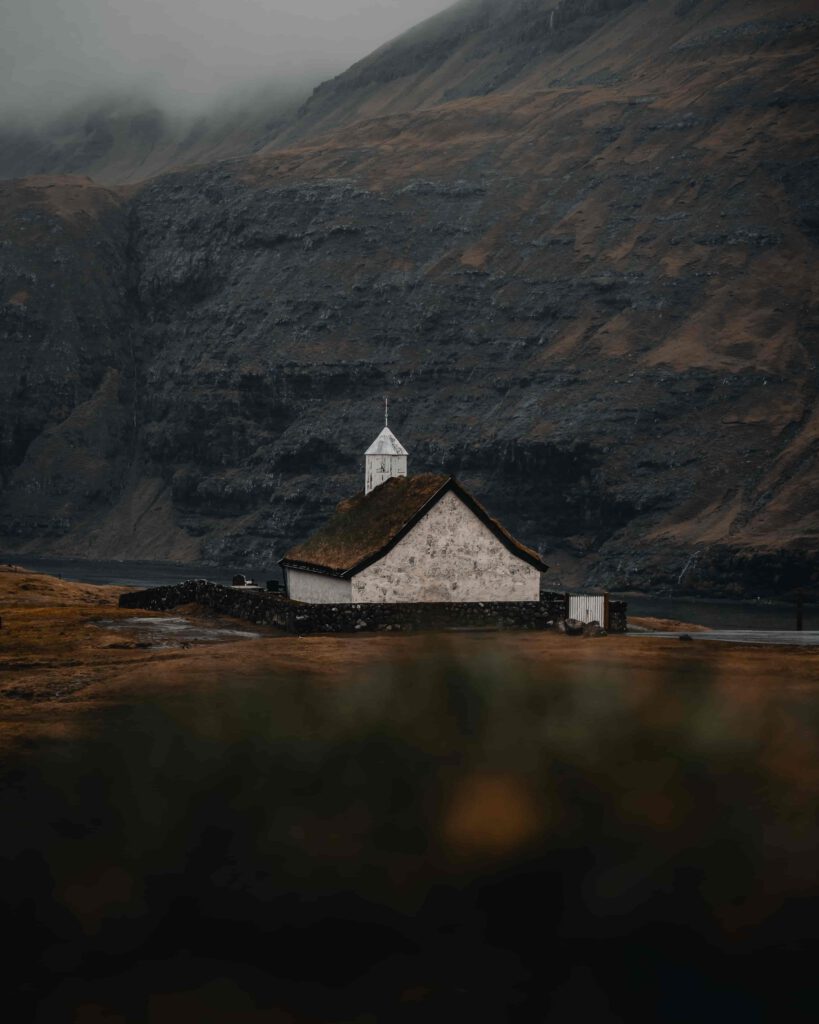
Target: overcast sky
x=184, y=53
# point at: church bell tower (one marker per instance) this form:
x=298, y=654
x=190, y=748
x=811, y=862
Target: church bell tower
x=386, y=457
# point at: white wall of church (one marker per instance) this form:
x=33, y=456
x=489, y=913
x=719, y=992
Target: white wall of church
x=450, y=555
x=316, y=588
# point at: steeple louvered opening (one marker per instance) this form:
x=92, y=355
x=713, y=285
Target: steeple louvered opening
x=385, y=458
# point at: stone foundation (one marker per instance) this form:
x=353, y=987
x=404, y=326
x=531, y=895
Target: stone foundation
x=326, y=618
x=263, y=608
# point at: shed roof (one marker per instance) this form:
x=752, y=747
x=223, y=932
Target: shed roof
x=367, y=526
x=386, y=444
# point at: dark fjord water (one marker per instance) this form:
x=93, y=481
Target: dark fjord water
x=762, y=615
x=137, y=574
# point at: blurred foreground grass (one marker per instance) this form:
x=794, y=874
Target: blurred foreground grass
x=441, y=840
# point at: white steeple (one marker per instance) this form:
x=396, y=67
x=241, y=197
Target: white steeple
x=386, y=456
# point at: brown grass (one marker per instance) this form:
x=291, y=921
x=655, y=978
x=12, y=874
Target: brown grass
x=22, y=588
x=751, y=674
x=59, y=671
x=51, y=648
x=667, y=625
x=49, y=644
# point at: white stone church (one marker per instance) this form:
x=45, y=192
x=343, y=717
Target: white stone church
x=421, y=538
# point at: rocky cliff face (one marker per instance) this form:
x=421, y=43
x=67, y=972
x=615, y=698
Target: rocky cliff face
x=590, y=294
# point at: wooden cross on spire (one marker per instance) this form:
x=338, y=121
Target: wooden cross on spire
x=386, y=411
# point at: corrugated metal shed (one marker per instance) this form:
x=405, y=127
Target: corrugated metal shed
x=589, y=608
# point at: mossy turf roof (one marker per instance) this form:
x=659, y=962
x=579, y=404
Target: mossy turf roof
x=365, y=527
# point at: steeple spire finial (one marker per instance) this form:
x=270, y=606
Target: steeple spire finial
x=386, y=457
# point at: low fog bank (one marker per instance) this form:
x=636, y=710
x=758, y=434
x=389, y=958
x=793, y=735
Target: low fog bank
x=185, y=57
x=272, y=96
x=121, y=139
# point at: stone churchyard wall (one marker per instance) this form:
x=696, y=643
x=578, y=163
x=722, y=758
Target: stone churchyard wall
x=325, y=618
x=257, y=606
x=269, y=609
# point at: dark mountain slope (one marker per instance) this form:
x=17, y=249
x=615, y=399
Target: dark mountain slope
x=471, y=49
x=479, y=47
x=594, y=303
x=70, y=341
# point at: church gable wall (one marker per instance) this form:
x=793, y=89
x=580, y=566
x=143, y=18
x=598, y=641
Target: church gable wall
x=316, y=588
x=450, y=555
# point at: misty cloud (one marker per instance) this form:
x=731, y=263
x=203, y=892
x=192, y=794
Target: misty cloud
x=183, y=54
